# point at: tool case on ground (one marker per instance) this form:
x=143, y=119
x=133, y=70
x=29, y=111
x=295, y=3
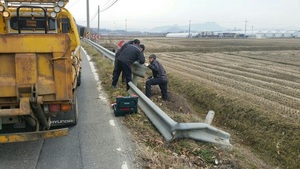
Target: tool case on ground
x=125, y=105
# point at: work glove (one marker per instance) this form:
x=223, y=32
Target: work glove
x=146, y=64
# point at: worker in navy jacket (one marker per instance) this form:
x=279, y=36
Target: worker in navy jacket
x=159, y=77
x=122, y=47
x=130, y=54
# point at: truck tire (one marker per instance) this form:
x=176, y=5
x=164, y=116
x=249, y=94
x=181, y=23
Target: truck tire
x=75, y=110
x=79, y=79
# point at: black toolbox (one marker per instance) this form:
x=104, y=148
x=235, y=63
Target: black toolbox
x=125, y=105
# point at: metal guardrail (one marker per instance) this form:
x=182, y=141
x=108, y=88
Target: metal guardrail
x=169, y=128
x=172, y=130
x=104, y=51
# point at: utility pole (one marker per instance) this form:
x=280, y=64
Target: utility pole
x=98, y=19
x=190, y=29
x=88, y=16
x=126, y=24
x=126, y=27
x=245, y=27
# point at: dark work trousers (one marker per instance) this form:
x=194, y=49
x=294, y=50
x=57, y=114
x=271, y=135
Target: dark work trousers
x=115, y=71
x=163, y=85
x=125, y=69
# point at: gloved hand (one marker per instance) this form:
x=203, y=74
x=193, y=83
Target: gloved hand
x=150, y=77
x=146, y=64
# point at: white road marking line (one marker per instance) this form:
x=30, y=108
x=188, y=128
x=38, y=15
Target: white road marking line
x=96, y=77
x=124, y=166
x=112, y=123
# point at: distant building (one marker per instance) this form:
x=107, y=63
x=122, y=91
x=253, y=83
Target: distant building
x=181, y=35
x=238, y=34
x=278, y=34
x=270, y=34
x=261, y=34
x=296, y=34
x=288, y=34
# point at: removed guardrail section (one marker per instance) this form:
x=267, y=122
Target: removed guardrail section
x=169, y=128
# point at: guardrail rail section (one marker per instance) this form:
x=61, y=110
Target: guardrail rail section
x=169, y=128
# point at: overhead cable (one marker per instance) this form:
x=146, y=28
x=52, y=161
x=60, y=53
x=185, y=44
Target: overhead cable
x=111, y=4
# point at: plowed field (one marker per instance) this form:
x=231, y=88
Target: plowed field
x=263, y=72
x=269, y=80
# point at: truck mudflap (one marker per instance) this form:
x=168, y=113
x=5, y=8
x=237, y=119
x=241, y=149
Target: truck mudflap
x=31, y=136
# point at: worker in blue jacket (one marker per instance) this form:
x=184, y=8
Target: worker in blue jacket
x=159, y=77
x=130, y=54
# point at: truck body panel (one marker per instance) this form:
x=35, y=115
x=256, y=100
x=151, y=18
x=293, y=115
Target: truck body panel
x=40, y=69
x=44, y=64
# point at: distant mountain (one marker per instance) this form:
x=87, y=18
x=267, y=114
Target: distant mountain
x=207, y=26
x=172, y=28
x=200, y=27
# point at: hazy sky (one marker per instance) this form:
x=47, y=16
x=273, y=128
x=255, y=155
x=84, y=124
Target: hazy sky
x=146, y=14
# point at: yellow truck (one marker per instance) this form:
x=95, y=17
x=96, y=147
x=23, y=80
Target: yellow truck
x=40, y=69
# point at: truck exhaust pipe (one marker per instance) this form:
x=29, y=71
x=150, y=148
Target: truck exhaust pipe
x=38, y=112
x=30, y=120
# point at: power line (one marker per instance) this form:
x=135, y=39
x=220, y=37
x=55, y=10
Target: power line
x=108, y=6
x=111, y=4
x=73, y=4
x=106, y=3
x=94, y=16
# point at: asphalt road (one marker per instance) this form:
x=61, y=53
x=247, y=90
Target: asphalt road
x=98, y=141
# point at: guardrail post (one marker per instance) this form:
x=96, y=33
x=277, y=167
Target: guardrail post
x=209, y=117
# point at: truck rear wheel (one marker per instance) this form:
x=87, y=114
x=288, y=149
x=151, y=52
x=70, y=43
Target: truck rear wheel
x=79, y=79
x=75, y=110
